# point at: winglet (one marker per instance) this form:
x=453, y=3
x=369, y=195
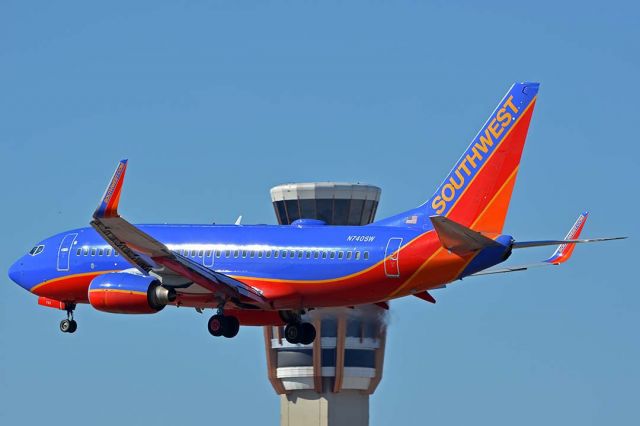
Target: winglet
x=108, y=206
x=564, y=251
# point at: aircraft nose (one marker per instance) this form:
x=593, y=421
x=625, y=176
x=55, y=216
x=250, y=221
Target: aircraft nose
x=15, y=272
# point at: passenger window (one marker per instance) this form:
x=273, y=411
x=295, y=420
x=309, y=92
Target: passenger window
x=324, y=254
x=218, y=253
x=260, y=254
x=292, y=254
x=93, y=252
x=108, y=252
x=333, y=255
x=366, y=255
x=100, y=252
x=236, y=253
x=252, y=253
x=357, y=255
x=315, y=254
x=208, y=253
x=267, y=254
x=193, y=253
x=200, y=253
x=78, y=251
x=284, y=254
x=227, y=253
x=85, y=251
x=308, y=255
x=348, y=255
x=115, y=253
x=340, y=255
x=244, y=253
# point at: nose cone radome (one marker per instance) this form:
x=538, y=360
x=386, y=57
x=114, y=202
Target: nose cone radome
x=16, y=273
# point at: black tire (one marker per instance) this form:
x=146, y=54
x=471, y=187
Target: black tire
x=308, y=333
x=216, y=325
x=231, y=326
x=65, y=326
x=293, y=333
x=73, y=327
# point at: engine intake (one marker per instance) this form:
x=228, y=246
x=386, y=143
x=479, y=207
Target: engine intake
x=123, y=293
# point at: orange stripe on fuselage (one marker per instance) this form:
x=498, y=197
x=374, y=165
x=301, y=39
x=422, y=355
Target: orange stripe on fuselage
x=72, y=288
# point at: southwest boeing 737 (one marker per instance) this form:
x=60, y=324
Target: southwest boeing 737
x=274, y=274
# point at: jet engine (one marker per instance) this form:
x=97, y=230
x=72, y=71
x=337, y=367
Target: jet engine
x=124, y=293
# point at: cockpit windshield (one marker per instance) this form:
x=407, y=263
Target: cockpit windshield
x=36, y=250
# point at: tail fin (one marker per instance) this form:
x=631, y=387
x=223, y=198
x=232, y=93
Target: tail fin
x=477, y=191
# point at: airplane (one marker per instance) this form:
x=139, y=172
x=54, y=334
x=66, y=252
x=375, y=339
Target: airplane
x=275, y=274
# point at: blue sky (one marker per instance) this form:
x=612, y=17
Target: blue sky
x=215, y=102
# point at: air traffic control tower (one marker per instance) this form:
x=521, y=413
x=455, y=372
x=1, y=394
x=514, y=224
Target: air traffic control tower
x=329, y=381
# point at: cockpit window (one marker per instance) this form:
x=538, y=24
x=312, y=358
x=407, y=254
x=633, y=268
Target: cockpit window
x=36, y=250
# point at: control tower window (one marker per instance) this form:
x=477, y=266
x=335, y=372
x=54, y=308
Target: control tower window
x=281, y=212
x=293, y=213
x=308, y=208
x=355, y=212
x=368, y=213
x=340, y=212
x=324, y=208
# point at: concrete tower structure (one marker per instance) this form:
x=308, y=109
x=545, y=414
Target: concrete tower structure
x=329, y=381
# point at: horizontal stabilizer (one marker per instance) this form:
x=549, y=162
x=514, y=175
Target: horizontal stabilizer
x=526, y=244
x=458, y=238
x=562, y=253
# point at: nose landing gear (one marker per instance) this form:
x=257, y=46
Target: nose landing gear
x=69, y=325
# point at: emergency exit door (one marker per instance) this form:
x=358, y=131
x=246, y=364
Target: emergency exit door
x=391, y=258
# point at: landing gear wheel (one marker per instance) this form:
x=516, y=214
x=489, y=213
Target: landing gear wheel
x=65, y=326
x=293, y=333
x=308, y=333
x=300, y=332
x=73, y=326
x=231, y=326
x=216, y=325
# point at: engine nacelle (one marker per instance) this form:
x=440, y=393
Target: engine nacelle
x=123, y=293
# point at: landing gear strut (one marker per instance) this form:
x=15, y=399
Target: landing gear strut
x=69, y=325
x=223, y=325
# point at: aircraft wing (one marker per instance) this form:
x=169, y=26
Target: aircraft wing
x=153, y=257
x=560, y=255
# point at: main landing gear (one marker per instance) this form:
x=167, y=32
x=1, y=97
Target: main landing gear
x=296, y=331
x=69, y=325
x=223, y=325
x=300, y=332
